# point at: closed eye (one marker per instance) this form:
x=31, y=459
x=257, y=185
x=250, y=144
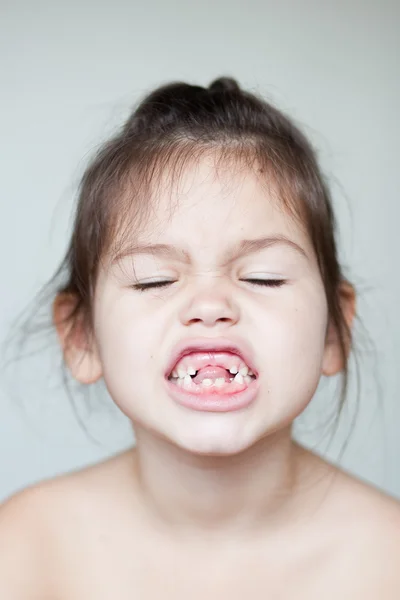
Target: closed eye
x=142, y=287
x=266, y=282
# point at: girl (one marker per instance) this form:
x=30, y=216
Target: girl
x=203, y=286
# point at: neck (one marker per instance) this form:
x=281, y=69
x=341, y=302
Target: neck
x=253, y=490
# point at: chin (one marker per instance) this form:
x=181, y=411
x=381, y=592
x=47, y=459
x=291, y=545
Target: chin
x=215, y=438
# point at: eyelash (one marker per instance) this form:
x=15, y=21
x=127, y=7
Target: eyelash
x=273, y=283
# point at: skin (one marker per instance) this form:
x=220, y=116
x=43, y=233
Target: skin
x=207, y=505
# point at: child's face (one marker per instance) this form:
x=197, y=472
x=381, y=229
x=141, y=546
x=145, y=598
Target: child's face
x=283, y=328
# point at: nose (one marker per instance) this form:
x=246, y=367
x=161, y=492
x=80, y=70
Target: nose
x=211, y=305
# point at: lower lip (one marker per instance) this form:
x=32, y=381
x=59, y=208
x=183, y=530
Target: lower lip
x=213, y=401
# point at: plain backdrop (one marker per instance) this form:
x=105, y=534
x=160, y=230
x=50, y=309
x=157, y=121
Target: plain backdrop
x=71, y=71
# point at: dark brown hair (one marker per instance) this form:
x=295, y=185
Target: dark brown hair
x=178, y=123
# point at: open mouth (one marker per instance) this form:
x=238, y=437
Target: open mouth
x=212, y=372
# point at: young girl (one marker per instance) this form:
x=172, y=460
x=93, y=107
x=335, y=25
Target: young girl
x=203, y=286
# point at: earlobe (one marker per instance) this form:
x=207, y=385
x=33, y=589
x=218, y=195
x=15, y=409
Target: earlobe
x=81, y=357
x=333, y=360
x=84, y=365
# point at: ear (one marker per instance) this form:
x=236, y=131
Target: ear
x=333, y=361
x=81, y=357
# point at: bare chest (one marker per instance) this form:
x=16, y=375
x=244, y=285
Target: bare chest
x=138, y=576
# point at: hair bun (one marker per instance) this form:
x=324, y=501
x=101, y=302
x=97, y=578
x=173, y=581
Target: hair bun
x=224, y=84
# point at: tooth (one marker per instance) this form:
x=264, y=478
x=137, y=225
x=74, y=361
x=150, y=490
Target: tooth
x=181, y=373
x=187, y=382
x=233, y=370
x=179, y=382
x=250, y=373
x=238, y=378
x=219, y=382
x=207, y=382
x=174, y=373
x=191, y=371
x=248, y=379
x=244, y=370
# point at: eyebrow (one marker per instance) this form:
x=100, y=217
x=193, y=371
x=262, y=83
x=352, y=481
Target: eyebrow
x=244, y=248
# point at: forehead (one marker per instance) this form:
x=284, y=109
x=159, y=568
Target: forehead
x=210, y=205
x=211, y=198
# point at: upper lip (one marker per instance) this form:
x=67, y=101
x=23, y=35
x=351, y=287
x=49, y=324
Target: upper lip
x=212, y=345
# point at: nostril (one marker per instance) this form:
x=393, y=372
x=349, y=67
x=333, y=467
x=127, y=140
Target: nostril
x=196, y=320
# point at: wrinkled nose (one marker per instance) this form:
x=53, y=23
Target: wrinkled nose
x=210, y=307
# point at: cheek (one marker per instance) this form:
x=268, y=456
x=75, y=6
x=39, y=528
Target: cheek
x=294, y=335
x=126, y=347
x=301, y=334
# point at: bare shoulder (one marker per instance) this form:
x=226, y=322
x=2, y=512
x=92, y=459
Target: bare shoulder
x=37, y=523
x=366, y=528
x=376, y=518
x=25, y=552
x=370, y=508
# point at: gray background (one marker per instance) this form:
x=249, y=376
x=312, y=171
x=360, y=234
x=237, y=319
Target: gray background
x=70, y=71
